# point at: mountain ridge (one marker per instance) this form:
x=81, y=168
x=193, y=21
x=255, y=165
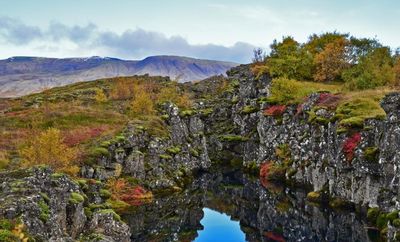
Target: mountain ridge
x=22, y=75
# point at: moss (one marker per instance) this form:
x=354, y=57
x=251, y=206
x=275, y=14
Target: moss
x=45, y=197
x=371, y=154
x=396, y=223
x=112, y=212
x=232, y=138
x=392, y=215
x=339, y=203
x=44, y=210
x=372, y=214
x=117, y=205
x=382, y=221
x=6, y=224
x=314, y=197
x=82, y=183
x=174, y=150
x=88, y=212
x=165, y=157
x=164, y=117
x=8, y=236
x=57, y=175
x=76, y=198
x=249, y=109
x=207, y=111
x=341, y=130
x=194, y=152
x=104, y=193
x=106, y=144
x=252, y=168
x=187, y=113
x=99, y=151
x=120, y=138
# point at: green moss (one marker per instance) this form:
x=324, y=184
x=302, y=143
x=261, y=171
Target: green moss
x=371, y=154
x=165, y=157
x=106, y=144
x=252, y=168
x=110, y=211
x=392, y=215
x=373, y=214
x=194, y=152
x=314, y=197
x=117, y=205
x=396, y=223
x=187, y=113
x=164, y=117
x=44, y=210
x=174, y=150
x=76, y=198
x=6, y=224
x=206, y=112
x=99, y=151
x=8, y=236
x=249, y=109
x=104, y=193
x=232, y=138
x=45, y=197
x=382, y=221
x=120, y=138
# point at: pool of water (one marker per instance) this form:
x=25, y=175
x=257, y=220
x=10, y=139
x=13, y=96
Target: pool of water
x=219, y=226
x=231, y=206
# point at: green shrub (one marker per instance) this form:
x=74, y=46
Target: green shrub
x=373, y=214
x=44, y=210
x=249, y=109
x=174, y=150
x=99, y=151
x=104, y=193
x=8, y=236
x=371, y=154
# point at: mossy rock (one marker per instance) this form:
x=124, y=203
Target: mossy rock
x=99, y=151
x=8, y=236
x=233, y=138
x=44, y=210
x=174, y=150
x=104, y=193
x=110, y=211
x=392, y=215
x=249, y=109
x=382, y=221
x=165, y=157
x=6, y=224
x=371, y=154
x=396, y=223
x=187, y=113
x=315, y=197
x=76, y=198
x=372, y=214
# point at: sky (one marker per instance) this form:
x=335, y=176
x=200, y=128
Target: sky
x=210, y=29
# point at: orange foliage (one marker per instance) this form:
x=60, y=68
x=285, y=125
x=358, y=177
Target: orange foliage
x=122, y=90
x=133, y=195
x=80, y=135
x=331, y=62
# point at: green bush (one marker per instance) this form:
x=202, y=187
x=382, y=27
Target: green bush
x=76, y=198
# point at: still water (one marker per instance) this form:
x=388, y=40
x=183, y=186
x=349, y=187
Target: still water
x=231, y=206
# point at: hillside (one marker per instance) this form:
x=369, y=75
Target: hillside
x=24, y=75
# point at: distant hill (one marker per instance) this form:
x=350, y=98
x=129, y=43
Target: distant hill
x=23, y=75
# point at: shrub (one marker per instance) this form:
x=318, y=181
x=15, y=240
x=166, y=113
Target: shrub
x=48, y=148
x=371, y=154
x=76, y=198
x=372, y=214
x=275, y=110
x=131, y=194
x=350, y=145
x=142, y=103
x=121, y=90
x=271, y=171
x=328, y=100
x=173, y=94
x=249, y=109
x=99, y=96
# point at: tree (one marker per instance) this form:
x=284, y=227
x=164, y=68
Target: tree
x=121, y=90
x=396, y=70
x=48, y=148
x=142, y=103
x=317, y=43
x=258, y=55
x=288, y=59
x=100, y=97
x=373, y=70
x=331, y=61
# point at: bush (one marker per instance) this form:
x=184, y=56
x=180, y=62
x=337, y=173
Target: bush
x=100, y=97
x=142, y=103
x=48, y=148
x=350, y=145
x=76, y=198
x=275, y=110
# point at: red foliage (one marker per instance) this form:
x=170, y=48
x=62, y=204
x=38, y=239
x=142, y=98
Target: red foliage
x=275, y=110
x=274, y=236
x=135, y=195
x=80, y=135
x=264, y=169
x=350, y=144
x=328, y=100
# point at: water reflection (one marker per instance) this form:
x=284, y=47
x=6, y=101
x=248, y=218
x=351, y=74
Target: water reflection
x=276, y=214
x=219, y=227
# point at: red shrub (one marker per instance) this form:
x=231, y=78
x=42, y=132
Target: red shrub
x=350, y=145
x=80, y=135
x=328, y=100
x=275, y=110
x=131, y=194
x=264, y=169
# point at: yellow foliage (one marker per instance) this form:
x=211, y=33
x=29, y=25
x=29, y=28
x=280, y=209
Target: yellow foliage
x=3, y=160
x=142, y=104
x=396, y=70
x=122, y=90
x=47, y=148
x=100, y=97
x=172, y=94
x=18, y=231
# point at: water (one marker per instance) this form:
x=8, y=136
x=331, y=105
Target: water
x=231, y=206
x=218, y=226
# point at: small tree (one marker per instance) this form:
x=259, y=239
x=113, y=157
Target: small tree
x=142, y=103
x=331, y=62
x=48, y=148
x=121, y=90
x=100, y=97
x=258, y=55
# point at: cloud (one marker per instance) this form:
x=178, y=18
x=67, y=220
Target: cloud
x=131, y=44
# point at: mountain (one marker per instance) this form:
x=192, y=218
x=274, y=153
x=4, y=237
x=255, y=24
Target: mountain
x=23, y=75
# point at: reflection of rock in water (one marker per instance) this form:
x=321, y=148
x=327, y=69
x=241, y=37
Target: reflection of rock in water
x=264, y=215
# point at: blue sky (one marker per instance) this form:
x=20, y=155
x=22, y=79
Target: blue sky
x=225, y=29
